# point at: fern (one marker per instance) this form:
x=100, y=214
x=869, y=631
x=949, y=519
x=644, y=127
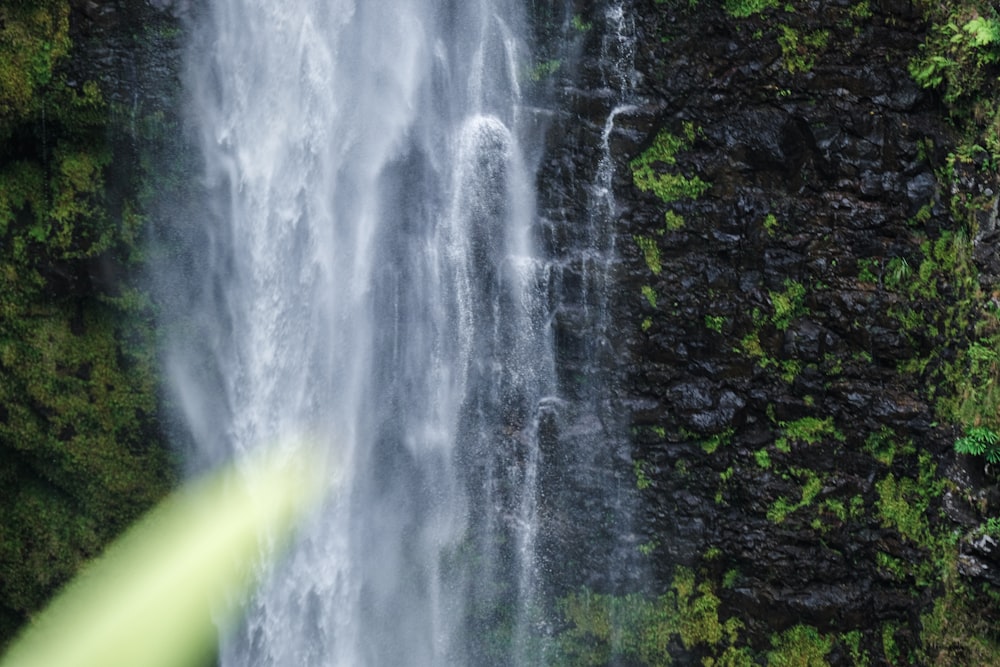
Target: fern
x=980, y=441
x=984, y=31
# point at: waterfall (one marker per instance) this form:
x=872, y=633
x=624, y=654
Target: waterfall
x=368, y=282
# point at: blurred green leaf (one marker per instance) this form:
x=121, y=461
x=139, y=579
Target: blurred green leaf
x=151, y=599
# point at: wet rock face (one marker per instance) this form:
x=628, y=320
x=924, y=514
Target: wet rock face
x=771, y=314
x=133, y=50
x=753, y=389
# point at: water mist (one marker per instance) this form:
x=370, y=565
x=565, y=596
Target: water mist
x=369, y=282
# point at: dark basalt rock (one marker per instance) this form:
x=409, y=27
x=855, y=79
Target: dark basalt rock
x=839, y=156
x=843, y=157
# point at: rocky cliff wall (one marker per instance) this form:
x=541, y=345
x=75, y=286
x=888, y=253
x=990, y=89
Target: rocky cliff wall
x=797, y=321
x=805, y=257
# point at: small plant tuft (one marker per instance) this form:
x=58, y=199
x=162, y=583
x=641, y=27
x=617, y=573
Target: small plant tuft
x=581, y=25
x=788, y=304
x=651, y=252
x=715, y=322
x=648, y=171
x=650, y=295
x=980, y=441
x=741, y=9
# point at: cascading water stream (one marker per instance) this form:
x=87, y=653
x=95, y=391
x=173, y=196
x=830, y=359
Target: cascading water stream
x=371, y=284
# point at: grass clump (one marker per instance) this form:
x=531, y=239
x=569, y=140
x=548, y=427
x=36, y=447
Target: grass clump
x=651, y=252
x=810, y=430
x=741, y=9
x=798, y=50
x=788, y=304
x=606, y=629
x=799, y=646
x=651, y=171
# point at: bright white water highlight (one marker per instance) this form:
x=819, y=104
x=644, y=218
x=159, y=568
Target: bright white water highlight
x=372, y=284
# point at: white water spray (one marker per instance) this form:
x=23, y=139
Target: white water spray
x=371, y=283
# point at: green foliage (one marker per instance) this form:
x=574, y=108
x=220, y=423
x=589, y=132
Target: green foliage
x=810, y=430
x=642, y=480
x=788, y=304
x=787, y=369
x=837, y=508
x=647, y=548
x=799, y=51
x=868, y=270
x=698, y=608
x=892, y=566
x=956, y=632
x=812, y=484
x=898, y=273
x=731, y=657
x=580, y=24
x=715, y=322
x=984, y=33
x=903, y=505
x=884, y=446
x=890, y=649
x=958, y=53
x=799, y=646
x=975, y=376
x=980, y=441
x=81, y=452
x=990, y=527
x=602, y=627
x=78, y=405
x=861, y=11
x=944, y=298
x=34, y=37
x=544, y=69
x=605, y=629
x=960, y=58
x=651, y=252
x=727, y=474
x=780, y=509
x=640, y=630
x=152, y=598
x=649, y=170
x=51, y=206
x=763, y=458
x=750, y=345
x=718, y=440
x=770, y=224
x=742, y=9
x=672, y=221
x=650, y=294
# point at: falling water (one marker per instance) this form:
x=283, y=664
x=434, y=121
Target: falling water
x=368, y=281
